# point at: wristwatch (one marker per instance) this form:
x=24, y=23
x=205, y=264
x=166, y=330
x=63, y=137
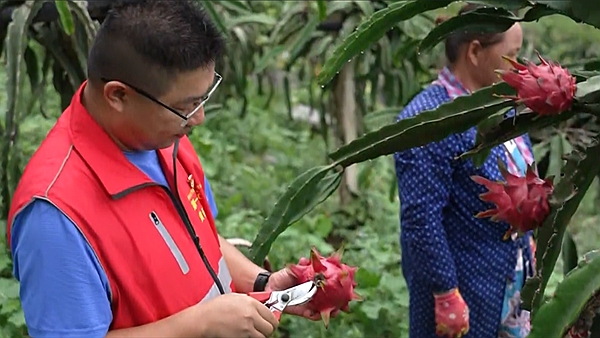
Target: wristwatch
x=261, y=281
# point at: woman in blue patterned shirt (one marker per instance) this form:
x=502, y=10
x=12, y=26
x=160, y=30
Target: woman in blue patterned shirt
x=461, y=271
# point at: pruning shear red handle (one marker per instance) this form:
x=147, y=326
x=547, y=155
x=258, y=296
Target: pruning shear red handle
x=277, y=301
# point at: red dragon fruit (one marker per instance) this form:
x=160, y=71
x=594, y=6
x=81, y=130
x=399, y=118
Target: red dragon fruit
x=578, y=333
x=522, y=202
x=547, y=89
x=335, y=282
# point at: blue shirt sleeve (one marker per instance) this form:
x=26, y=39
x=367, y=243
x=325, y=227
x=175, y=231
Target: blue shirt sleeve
x=424, y=176
x=63, y=289
x=210, y=197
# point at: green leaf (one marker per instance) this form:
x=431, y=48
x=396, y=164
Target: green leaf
x=66, y=18
x=569, y=253
x=62, y=63
x=287, y=92
x=303, y=38
x=215, y=16
x=571, y=296
x=82, y=38
x=303, y=195
x=322, y=9
x=238, y=6
x=475, y=21
x=582, y=75
x=267, y=59
x=592, y=63
x=385, y=55
x=251, y=18
x=33, y=67
x=508, y=4
x=578, y=173
x=365, y=6
x=291, y=12
x=383, y=116
x=367, y=279
x=82, y=16
x=9, y=289
x=320, y=46
x=579, y=10
x=482, y=20
x=484, y=126
x=537, y=12
x=429, y=126
x=371, y=30
x=557, y=150
x=16, y=44
x=588, y=91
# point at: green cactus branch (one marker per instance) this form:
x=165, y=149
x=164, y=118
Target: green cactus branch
x=571, y=297
x=577, y=174
x=307, y=191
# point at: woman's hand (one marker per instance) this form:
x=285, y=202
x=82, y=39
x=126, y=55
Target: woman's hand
x=451, y=314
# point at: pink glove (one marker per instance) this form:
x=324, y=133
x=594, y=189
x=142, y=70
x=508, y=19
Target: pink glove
x=451, y=314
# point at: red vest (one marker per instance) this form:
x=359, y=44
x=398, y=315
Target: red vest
x=131, y=223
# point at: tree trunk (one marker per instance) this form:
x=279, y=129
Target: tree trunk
x=344, y=108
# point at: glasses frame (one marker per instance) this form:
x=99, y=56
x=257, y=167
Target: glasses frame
x=172, y=110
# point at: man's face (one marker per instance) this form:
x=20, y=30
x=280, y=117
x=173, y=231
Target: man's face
x=143, y=124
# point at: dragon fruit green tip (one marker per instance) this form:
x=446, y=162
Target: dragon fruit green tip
x=547, y=88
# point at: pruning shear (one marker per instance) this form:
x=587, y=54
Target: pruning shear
x=277, y=301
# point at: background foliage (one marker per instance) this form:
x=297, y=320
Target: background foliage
x=271, y=122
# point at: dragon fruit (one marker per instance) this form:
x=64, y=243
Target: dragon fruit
x=522, y=202
x=575, y=332
x=547, y=89
x=335, y=282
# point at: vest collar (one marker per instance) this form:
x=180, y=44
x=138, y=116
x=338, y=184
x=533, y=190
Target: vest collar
x=102, y=155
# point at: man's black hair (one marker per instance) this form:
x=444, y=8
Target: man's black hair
x=146, y=43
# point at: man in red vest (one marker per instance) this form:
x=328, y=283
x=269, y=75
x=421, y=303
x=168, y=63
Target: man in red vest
x=111, y=228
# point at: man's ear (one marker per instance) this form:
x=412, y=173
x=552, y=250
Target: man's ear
x=116, y=94
x=474, y=50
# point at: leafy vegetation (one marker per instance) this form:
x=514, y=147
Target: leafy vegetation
x=282, y=142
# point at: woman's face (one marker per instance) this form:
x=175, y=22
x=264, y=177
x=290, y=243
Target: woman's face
x=487, y=60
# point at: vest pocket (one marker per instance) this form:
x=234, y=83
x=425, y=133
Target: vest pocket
x=164, y=233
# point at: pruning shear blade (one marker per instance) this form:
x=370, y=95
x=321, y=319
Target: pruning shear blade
x=301, y=294
x=277, y=301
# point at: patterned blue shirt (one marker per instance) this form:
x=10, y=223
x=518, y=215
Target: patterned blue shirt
x=443, y=245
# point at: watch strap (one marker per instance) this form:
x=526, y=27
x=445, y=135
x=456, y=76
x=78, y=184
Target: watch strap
x=260, y=284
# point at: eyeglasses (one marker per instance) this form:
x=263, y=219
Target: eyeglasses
x=186, y=117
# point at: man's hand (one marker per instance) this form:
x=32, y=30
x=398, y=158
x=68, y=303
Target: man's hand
x=451, y=315
x=229, y=315
x=284, y=279
x=234, y=315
